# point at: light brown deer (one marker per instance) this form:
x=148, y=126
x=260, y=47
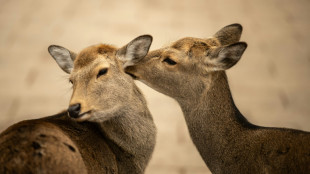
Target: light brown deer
x=109, y=128
x=192, y=71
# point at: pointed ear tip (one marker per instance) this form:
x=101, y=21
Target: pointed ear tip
x=244, y=44
x=144, y=38
x=238, y=45
x=237, y=25
x=147, y=36
x=51, y=47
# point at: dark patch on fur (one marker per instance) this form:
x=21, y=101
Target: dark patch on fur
x=283, y=151
x=38, y=153
x=70, y=147
x=15, y=150
x=42, y=135
x=36, y=145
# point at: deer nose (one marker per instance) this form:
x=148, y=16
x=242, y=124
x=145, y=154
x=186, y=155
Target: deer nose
x=74, y=110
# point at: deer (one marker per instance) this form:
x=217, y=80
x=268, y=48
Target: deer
x=107, y=127
x=192, y=71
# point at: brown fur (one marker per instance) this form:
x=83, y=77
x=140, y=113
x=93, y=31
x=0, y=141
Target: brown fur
x=227, y=142
x=55, y=144
x=114, y=133
x=88, y=55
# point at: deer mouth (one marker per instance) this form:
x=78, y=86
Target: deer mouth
x=132, y=75
x=83, y=116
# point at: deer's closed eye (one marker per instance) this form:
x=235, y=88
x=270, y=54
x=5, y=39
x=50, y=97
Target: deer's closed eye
x=102, y=72
x=169, y=61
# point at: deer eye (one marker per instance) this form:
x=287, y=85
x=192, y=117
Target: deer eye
x=70, y=81
x=102, y=72
x=169, y=61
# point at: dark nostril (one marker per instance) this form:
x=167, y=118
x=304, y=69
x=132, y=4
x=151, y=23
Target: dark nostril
x=74, y=110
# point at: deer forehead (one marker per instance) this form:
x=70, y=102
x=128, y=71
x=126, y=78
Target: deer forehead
x=92, y=59
x=186, y=44
x=91, y=55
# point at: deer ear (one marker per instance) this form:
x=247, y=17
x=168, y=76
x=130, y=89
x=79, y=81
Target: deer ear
x=225, y=57
x=229, y=34
x=63, y=57
x=135, y=50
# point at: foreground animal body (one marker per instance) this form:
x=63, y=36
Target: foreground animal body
x=192, y=71
x=107, y=128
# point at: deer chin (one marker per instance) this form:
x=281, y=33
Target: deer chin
x=100, y=116
x=84, y=116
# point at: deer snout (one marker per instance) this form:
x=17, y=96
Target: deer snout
x=74, y=110
x=131, y=71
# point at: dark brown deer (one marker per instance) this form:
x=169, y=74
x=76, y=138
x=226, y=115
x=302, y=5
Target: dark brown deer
x=107, y=128
x=192, y=71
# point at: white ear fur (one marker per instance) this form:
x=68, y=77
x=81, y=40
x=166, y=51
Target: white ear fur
x=135, y=50
x=63, y=57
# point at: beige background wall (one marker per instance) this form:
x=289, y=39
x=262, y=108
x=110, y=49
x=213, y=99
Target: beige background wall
x=270, y=85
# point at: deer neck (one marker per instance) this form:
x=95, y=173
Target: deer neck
x=213, y=120
x=132, y=133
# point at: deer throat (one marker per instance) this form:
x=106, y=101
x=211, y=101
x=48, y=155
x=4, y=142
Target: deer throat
x=214, y=122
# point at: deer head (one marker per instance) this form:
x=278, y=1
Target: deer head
x=185, y=68
x=100, y=86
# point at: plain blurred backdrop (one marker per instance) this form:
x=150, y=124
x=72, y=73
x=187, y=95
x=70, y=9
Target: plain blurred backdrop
x=270, y=85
